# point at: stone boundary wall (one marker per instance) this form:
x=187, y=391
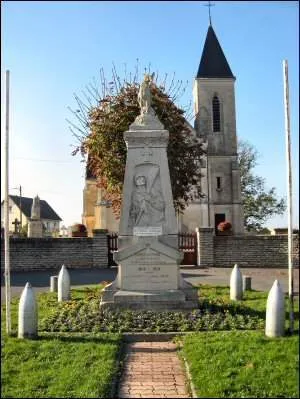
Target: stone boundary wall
x=254, y=251
x=205, y=246
x=51, y=253
x=85, y=252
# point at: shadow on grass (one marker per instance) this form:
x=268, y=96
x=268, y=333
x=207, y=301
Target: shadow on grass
x=187, y=275
x=296, y=315
x=289, y=334
x=210, y=303
x=232, y=309
x=151, y=350
x=85, y=337
x=105, y=338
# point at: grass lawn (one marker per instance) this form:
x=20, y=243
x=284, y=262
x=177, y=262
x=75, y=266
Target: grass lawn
x=76, y=360
x=58, y=365
x=253, y=303
x=242, y=364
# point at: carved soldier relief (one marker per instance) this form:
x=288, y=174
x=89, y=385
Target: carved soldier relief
x=147, y=203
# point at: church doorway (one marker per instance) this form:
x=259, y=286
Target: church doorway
x=219, y=217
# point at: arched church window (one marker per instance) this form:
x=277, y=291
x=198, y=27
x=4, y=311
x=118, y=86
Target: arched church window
x=216, y=114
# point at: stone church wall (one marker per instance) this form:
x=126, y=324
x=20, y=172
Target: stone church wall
x=254, y=251
x=52, y=253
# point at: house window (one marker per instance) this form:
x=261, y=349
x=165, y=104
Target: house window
x=219, y=183
x=216, y=114
x=10, y=209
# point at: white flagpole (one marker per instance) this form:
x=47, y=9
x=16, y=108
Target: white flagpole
x=6, y=214
x=289, y=189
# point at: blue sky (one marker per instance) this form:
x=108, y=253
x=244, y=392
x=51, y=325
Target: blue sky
x=54, y=49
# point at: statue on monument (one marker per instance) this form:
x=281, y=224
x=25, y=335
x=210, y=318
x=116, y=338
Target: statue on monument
x=144, y=96
x=147, y=115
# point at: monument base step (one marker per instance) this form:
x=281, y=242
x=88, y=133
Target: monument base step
x=150, y=300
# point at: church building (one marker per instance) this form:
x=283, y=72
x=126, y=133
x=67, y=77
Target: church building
x=215, y=125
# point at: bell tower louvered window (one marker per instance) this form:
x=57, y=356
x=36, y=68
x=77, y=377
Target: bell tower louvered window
x=216, y=114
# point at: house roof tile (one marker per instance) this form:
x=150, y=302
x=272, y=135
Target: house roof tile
x=26, y=203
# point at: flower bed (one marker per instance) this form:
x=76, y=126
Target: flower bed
x=84, y=315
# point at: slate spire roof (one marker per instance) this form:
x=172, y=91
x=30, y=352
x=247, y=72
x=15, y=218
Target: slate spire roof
x=26, y=203
x=213, y=62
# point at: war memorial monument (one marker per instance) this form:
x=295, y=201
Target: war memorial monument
x=148, y=257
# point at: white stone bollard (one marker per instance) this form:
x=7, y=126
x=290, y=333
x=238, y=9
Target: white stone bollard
x=236, y=284
x=63, y=285
x=275, y=312
x=53, y=283
x=28, y=319
x=246, y=283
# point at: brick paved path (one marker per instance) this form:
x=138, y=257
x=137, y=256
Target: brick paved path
x=152, y=370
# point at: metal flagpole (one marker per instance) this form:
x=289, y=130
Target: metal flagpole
x=289, y=189
x=20, y=207
x=6, y=214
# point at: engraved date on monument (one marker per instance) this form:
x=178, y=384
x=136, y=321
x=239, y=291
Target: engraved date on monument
x=147, y=269
x=148, y=259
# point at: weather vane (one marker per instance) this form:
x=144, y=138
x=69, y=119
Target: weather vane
x=209, y=5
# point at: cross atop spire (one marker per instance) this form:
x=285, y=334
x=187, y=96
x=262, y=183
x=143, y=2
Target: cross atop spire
x=209, y=5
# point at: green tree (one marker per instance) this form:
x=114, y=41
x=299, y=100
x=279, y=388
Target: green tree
x=259, y=203
x=102, y=137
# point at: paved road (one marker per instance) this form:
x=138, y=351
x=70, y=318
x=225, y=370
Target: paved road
x=40, y=280
x=262, y=279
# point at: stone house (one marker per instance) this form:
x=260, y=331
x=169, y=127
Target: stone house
x=20, y=208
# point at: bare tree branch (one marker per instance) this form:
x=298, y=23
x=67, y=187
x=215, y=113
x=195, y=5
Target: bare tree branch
x=117, y=78
x=83, y=133
x=88, y=100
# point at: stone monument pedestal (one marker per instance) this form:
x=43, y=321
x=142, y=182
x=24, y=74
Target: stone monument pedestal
x=149, y=277
x=183, y=299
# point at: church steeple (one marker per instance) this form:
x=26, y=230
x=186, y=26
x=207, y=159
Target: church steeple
x=213, y=62
x=215, y=123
